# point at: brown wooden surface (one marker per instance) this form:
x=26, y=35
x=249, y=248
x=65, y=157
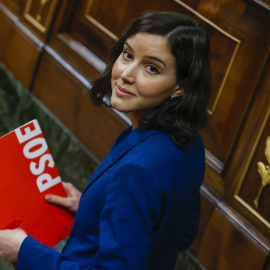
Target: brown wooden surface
x=267, y=266
x=15, y=6
x=78, y=35
x=230, y=248
x=245, y=183
x=17, y=51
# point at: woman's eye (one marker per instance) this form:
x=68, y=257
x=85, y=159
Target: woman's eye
x=127, y=55
x=152, y=69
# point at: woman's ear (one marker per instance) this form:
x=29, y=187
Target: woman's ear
x=179, y=91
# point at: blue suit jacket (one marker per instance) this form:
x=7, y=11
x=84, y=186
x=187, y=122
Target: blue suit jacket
x=140, y=207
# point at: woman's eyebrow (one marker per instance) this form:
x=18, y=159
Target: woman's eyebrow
x=150, y=57
x=157, y=59
x=126, y=43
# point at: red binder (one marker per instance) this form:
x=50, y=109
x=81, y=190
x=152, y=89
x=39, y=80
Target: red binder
x=27, y=174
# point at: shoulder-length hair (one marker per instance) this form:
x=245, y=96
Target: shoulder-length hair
x=182, y=116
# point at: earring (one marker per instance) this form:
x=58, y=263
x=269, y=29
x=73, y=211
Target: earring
x=172, y=97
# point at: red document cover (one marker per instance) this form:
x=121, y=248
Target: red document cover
x=27, y=174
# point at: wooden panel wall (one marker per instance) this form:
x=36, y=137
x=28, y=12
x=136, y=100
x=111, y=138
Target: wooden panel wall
x=58, y=48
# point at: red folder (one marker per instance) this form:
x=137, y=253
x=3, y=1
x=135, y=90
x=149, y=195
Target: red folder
x=27, y=174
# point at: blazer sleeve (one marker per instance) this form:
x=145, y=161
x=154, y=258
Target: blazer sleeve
x=193, y=225
x=131, y=212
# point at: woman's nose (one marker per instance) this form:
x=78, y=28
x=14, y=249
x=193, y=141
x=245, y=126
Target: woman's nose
x=129, y=73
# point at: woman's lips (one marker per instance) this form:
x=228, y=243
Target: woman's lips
x=123, y=92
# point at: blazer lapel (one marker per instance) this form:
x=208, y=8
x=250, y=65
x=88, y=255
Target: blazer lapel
x=123, y=144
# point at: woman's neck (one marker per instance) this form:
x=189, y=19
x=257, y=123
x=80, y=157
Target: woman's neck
x=135, y=118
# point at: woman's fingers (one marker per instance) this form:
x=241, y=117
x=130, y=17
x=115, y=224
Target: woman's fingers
x=71, y=202
x=57, y=200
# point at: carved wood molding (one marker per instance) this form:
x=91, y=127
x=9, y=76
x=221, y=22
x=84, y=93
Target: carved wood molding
x=39, y=43
x=264, y=171
x=235, y=217
x=37, y=17
x=262, y=4
x=96, y=23
x=226, y=34
x=245, y=172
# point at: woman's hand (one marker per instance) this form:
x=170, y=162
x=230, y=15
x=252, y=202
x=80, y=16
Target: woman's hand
x=10, y=241
x=71, y=202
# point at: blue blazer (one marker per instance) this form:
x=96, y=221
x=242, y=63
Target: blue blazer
x=140, y=207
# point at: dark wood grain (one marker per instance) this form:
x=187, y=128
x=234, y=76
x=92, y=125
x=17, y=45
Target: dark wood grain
x=60, y=63
x=224, y=247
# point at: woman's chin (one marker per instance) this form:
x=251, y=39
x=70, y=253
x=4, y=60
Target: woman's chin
x=118, y=107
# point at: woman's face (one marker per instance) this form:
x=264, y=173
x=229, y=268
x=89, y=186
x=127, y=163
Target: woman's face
x=144, y=75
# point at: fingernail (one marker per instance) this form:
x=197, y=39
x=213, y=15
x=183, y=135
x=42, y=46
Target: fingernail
x=48, y=198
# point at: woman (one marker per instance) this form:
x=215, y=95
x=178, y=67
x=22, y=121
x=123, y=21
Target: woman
x=141, y=206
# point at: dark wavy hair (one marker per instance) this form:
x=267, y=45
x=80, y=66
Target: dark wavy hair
x=182, y=116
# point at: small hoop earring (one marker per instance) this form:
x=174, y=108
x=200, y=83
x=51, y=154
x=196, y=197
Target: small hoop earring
x=171, y=97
